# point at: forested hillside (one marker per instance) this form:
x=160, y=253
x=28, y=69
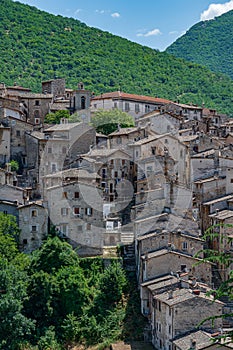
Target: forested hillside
x=208, y=43
x=36, y=46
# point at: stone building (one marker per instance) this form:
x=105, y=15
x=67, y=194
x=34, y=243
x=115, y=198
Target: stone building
x=188, y=112
x=135, y=105
x=75, y=205
x=9, y=208
x=200, y=340
x=5, y=144
x=54, y=87
x=161, y=122
x=35, y=106
x=178, y=311
x=80, y=102
x=166, y=260
x=33, y=224
x=121, y=138
x=177, y=240
x=13, y=193
x=211, y=207
x=17, y=147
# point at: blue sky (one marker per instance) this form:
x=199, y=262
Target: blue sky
x=153, y=23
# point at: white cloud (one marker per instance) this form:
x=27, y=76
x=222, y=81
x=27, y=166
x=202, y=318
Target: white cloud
x=78, y=11
x=100, y=11
x=173, y=32
x=150, y=33
x=215, y=10
x=115, y=15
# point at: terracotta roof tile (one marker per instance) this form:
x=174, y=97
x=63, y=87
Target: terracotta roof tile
x=126, y=96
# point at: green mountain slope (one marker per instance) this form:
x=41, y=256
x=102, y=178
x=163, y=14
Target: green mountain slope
x=36, y=46
x=209, y=43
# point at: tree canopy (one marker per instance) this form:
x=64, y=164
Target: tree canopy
x=37, y=46
x=107, y=121
x=54, y=118
x=208, y=43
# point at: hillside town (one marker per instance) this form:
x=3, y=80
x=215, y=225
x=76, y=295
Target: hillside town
x=149, y=192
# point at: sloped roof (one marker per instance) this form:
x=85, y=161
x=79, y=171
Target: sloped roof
x=104, y=152
x=201, y=338
x=126, y=96
x=62, y=127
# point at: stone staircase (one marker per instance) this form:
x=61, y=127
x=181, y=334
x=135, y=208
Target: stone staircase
x=128, y=254
x=127, y=237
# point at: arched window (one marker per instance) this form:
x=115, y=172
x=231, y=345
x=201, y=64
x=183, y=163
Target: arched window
x=83, y=102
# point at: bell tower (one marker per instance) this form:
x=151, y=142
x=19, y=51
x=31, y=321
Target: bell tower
x=82, y=102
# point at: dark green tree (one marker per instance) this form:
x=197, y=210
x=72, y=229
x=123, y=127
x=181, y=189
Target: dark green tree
x=53, y=255
x=222, y=257
x=107, y=121
x=54, y=118
x=15, y=327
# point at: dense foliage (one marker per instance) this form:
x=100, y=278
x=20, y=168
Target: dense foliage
x=107, y=121
x=222, y=259
x=37, y=46
x=54, y=118
x=52, y=299
x=208, y=43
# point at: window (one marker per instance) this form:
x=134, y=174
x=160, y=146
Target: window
x=53, y=167
x=137, y=108
x=184, y=245
x=64, y=195
x=37, y=121
x=64, y=211
x=63, y=150
x=88, y=211
x=115, y=104
x=64, y=229
x=83, y=102
x=88, y=227
x=49, y=149
x=166, y=140
x=76, y=195
x=123, y=162
x=127, y=106
x=76, y=210
x=147, y=108
x=183, y=268
x=25, y=241
x=5, y=212
x=37, y=102
x=170, y=329
x=33, y=228
x=181, y=153
x=37, y=114
x=119, y=140
x=159, y=306
x=34, y=213
x=18, y=133
x=104, y=175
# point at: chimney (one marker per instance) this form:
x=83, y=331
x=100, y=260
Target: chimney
x=192, y=344
x=170, y=294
